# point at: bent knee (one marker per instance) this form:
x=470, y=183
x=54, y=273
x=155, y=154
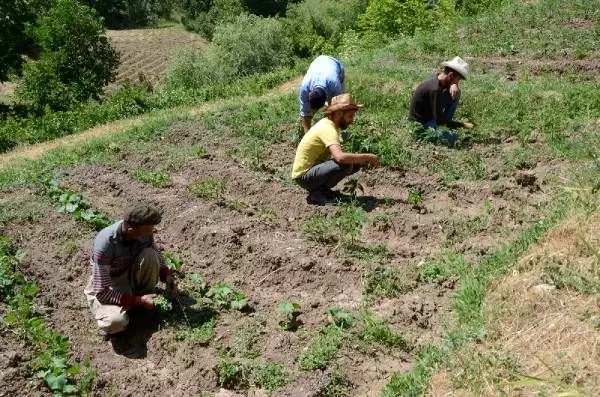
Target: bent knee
x=114, y=322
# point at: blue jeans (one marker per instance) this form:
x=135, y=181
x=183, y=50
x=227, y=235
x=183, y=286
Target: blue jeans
x=449, y=106
x=326, y=175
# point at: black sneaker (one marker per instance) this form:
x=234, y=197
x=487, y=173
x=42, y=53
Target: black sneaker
x=318, y=197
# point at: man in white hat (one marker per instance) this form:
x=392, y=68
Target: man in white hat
x=323, y=80
x=320, y=162
x=435, y=100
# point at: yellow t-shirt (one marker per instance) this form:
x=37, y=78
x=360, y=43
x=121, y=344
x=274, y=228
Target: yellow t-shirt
x=313, y=148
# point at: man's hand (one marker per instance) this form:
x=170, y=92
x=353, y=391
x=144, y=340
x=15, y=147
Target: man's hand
x=146, y=301
x=468, y=126
x=454, y=91
x=373, y=160
x=171, y=285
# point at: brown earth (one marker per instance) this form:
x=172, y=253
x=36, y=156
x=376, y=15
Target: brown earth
x=260, y=250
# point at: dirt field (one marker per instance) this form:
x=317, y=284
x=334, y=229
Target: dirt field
x=148, y=51
x=259, y=249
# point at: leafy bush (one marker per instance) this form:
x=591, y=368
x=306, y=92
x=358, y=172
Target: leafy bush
x=394, y=17
x=16, y=15
x=220, y=12
x=77, y=59
x=253, y=44
x=197, y=69
x=316, y=26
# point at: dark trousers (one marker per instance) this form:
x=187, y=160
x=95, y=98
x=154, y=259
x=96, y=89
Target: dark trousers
x=326, y=175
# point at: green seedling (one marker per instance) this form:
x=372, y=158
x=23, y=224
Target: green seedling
x=223, y=296
x=339, y=317
x=351, y=186
x=199, y=283
x=156, y=179
x=162, y=304
x=173, y=261
x=290, y=311
x=201, y=152
x=415, y=198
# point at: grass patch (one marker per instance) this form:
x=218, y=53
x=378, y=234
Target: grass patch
x=208, y=188
x=376, y=333
x=387, y=283
x=322, y=349
x=342, y=227
x=159, y=179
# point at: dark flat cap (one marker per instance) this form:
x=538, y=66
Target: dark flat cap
x=142, y=214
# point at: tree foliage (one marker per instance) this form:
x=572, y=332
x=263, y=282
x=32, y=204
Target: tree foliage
x=16, y=15
x=120, y=14
x=77, y=60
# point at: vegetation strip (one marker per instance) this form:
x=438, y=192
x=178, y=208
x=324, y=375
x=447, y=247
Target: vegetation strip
x=51, y=349
x=467, y=305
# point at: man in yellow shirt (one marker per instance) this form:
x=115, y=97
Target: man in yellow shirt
x=320, y=162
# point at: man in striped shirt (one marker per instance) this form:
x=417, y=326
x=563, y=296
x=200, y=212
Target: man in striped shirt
x=126, y=266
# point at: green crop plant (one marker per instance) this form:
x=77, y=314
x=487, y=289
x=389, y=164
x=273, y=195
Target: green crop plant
x=223, y=296
x=155, y=178
x=50, y=349
x=290, y=312
x=75, y=204
x=382, y=222
x=201, y=334
x=352, y=186
x=339, y=317
x=208, y=188
x=415, y=198
x=162, y=304
x=201, y=152
x=199, y=284
x=173, y=261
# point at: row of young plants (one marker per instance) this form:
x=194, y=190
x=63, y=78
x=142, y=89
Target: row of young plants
x=51, y=350
x=199, y=317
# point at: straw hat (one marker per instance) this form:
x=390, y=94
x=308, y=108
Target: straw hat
x=457, y=64
x=342, y=102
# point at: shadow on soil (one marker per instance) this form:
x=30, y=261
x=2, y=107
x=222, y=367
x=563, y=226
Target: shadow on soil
x=133, y=342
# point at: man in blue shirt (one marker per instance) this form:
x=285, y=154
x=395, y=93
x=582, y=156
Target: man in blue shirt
x=324, y=79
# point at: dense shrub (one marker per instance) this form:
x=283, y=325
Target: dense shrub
x=220, y=12
x=316, y=26
x=129, y=101
x=77, y=59
x=394, y=17
x=194, y=69
x=253, y=44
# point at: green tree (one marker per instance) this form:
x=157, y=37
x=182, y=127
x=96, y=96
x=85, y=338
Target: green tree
x=77, y=60
x=15, y=16
x=119, y=14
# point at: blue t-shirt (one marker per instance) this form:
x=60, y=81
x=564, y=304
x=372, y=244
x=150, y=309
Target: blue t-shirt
x=325, y=72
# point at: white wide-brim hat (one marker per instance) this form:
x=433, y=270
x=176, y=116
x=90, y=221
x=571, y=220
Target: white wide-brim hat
x=459, y=65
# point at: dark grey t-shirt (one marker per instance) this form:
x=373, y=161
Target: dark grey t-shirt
x=425, y=104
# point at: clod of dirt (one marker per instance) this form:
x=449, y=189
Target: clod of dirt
x=526, y=179
x=239, y=230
